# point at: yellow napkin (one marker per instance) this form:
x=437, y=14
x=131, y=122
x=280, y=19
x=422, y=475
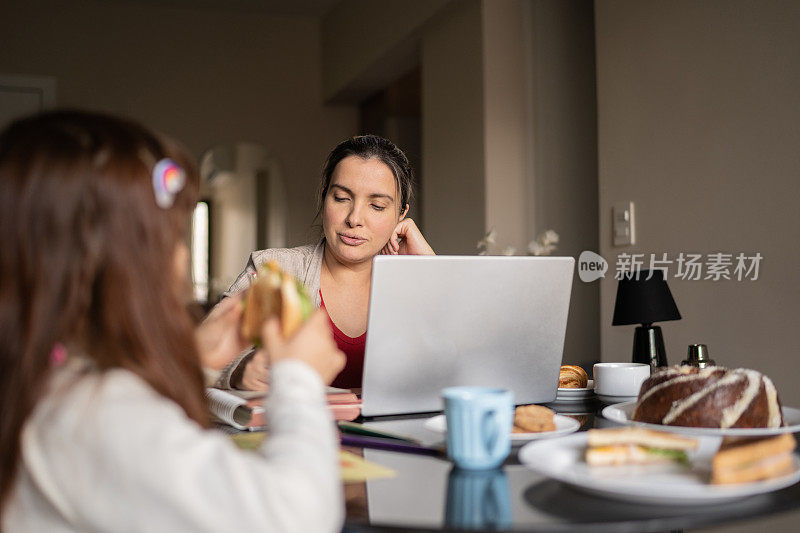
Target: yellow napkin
x=355, y=469
x=249, y=440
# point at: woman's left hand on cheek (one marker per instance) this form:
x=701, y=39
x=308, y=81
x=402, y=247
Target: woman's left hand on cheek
x=406, y=239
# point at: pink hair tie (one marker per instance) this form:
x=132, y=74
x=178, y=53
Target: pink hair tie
x=58, y=355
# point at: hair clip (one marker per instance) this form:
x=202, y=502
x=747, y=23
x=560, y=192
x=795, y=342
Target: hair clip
x=168, y=179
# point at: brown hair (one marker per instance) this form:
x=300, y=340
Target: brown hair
x=87, y=260
x=369, y=147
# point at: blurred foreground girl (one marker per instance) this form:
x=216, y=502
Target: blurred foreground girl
x=104, y=424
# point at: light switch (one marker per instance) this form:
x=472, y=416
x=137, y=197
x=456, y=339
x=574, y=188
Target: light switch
x=622, y=224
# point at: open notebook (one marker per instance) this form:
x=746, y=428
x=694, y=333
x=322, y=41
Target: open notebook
x=243, y=410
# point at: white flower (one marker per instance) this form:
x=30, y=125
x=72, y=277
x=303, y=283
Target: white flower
x=544, y=244
x=488, y=239
x=509, y=250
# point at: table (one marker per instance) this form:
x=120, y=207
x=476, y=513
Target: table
x=428, y=494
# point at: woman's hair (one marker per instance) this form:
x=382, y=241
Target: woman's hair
x=369, y=147
x=87, y=259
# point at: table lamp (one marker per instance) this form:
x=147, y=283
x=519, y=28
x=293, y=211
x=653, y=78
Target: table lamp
x=645, y=301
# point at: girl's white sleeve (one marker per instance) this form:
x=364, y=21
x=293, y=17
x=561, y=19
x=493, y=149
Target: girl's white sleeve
x=119, y=457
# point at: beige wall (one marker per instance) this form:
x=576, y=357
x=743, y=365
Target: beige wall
x=563, y=151
x=208, y=77
x=475, y=126
x=506, y=121
x=453, y=154
x=698, y=125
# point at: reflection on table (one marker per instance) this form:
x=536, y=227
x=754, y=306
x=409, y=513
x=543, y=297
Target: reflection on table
x=428, y=493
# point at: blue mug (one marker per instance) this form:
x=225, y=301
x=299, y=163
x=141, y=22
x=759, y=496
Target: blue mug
x=478, y=499
x=479, y=422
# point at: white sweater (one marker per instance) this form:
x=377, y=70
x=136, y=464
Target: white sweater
x=107, y=453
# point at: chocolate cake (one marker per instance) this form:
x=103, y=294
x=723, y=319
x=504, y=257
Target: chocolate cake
x=711, y=397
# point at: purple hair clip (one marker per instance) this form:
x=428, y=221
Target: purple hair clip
x=168, y=180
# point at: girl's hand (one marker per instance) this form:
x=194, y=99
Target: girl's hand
x=407, y=240
x=218, y=336
x=256, y=373
x=312, y=342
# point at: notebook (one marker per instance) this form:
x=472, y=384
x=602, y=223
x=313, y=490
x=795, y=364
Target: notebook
x=440, y=321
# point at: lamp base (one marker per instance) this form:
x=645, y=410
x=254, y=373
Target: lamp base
x=648, y=347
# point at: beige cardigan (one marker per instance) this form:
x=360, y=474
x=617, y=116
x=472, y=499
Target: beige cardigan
x=303, y=262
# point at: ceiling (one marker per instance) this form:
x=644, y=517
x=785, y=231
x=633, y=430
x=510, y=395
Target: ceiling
x=292, y=8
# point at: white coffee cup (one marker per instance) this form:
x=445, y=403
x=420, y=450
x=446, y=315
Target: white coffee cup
x=619, y=379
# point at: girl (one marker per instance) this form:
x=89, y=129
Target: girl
x=104, y=422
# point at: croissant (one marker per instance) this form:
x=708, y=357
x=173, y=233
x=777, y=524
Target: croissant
x=572, y=377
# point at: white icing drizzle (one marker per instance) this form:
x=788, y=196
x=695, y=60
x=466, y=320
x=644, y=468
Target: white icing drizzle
x=772, y=399
x=731, y=414
x=682, y=405
x=687, y=376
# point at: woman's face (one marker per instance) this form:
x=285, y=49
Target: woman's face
x=360, y=209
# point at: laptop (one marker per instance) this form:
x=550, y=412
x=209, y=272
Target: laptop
x=441, y=321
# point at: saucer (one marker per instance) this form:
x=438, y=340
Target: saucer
x=575, y=395
x=609, y=399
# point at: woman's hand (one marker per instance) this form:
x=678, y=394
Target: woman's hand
x=407, y=240
x=218, y=336
x=312, y=342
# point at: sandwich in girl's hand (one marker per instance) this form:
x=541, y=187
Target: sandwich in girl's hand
x=274, y=293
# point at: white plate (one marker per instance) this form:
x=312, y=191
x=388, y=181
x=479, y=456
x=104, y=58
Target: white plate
x=621, y=413
x=569, y=399
x=583, y=391
x=652, y=484
x=564, y=426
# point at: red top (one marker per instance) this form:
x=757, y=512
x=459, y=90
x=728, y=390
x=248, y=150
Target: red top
x=353, y=348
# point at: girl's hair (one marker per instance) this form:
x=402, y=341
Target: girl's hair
x=368, y=147
x=87, y=259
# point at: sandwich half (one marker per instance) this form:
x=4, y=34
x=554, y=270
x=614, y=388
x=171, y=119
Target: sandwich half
x=747, y=460
x=636, y=446
x=274, y=293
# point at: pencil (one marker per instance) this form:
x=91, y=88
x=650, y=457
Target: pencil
x=390, y=445
x=360, y=429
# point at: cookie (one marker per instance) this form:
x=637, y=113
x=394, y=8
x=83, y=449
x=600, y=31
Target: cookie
x=533, y=419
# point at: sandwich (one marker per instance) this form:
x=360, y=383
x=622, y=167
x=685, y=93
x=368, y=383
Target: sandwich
x=747, y=460
x=274, y=293
x=636, y=446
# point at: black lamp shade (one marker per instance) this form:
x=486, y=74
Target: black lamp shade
x=644, y=301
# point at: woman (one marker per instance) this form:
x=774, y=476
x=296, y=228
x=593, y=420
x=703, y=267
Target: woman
x=104, y=419
x=364, y=197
